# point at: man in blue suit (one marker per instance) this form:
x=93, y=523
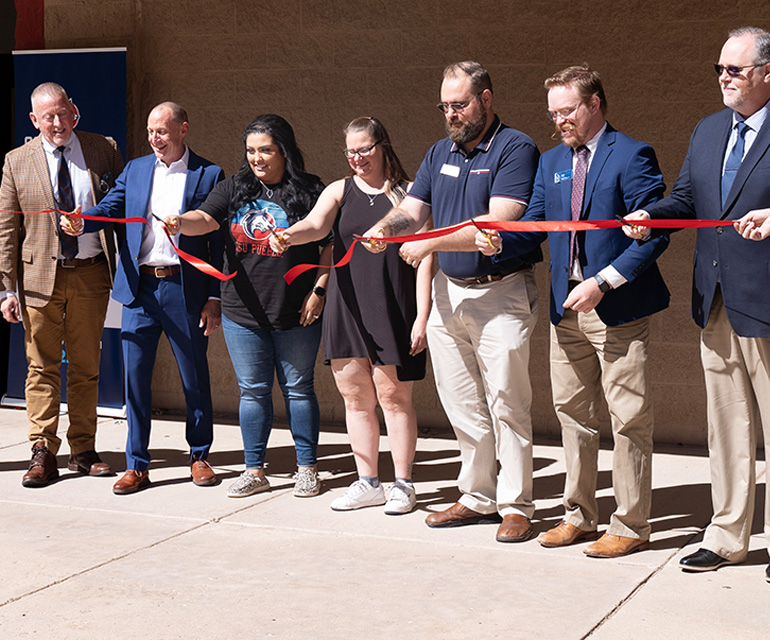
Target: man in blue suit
x=160, y=293
x=725, y=175
x=604, y=287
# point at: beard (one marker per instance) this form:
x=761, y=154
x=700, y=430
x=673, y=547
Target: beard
x=461, y=133
x=558, y=134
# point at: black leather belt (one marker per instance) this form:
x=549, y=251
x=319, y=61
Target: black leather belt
x=160, y=272
x=494, y=277
x=71, y=263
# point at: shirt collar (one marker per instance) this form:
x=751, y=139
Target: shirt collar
x=71, y=144
x=755, y=120
x=179, y=164
x=594, y=142
x=485, y=143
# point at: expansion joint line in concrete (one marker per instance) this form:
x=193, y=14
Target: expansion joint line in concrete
x=639, y=587
x=128, y=554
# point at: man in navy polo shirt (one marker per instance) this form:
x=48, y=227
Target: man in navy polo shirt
x=483, y=312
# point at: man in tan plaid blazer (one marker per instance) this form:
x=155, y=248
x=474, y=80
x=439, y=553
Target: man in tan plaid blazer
x=59, y=299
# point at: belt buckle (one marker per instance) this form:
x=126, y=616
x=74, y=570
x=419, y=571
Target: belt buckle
x=65, y=266
x=157, y=272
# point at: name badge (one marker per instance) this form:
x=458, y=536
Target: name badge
x=562, y=176
x=451, y=170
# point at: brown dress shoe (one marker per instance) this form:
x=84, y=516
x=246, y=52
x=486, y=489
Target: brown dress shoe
x=202, y=473
x=609, y=546
x=564, y=534
x=131, y=482
x=42, y=468
x=89, y=463
x=514, y=528
x=458, y=515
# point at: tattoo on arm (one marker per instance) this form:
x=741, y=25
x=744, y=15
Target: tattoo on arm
x=397, y=222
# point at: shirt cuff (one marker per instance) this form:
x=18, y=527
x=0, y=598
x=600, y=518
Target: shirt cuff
x=612, y=276
x=5, y=294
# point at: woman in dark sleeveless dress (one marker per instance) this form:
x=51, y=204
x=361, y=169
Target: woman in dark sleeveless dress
x=375, y=317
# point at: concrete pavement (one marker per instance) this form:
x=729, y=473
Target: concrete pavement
x=180, y=561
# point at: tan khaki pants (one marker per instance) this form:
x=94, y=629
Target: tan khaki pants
x=590, y=360
x=479, y=345
x=74, y=315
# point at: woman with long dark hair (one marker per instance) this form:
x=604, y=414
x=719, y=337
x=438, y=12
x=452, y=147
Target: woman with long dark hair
x=374, y=327
x=268, y=326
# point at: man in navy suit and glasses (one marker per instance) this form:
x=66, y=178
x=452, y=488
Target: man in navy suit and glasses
x=725, y=175
x=604, y=287
x=160, y=293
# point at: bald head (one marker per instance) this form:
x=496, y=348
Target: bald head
x=167, y=128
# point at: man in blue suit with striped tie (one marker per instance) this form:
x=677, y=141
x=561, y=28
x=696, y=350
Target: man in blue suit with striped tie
x=604, y=288
x=160, y=293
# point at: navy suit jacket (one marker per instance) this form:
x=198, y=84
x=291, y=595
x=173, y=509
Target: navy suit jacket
x=130, y=198
x=624, y=176
x=722, y=255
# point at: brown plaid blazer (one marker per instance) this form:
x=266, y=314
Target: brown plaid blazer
x=29, y=241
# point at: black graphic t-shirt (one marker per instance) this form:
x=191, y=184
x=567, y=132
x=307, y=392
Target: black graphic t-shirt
x=258, y=295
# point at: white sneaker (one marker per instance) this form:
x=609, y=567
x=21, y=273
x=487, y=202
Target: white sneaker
x=247, y=484
x=401, y=499
x=359, y=494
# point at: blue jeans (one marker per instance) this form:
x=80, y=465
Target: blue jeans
x=258, y=353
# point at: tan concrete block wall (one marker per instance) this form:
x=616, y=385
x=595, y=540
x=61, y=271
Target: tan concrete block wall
x=319, y=63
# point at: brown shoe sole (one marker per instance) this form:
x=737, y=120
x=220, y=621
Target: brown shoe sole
x=40, y=482
x=642, y=547
x=588, y=536
x=210, y=482
x=127, y=490
x=491, y=518
x=73, y=466
x=525, y=536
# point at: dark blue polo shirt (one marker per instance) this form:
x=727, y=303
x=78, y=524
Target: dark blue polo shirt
x=458, y=187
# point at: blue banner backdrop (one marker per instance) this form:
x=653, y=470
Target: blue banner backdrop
x=95, y=80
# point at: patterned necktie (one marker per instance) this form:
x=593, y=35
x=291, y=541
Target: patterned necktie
x=734, y=160
x=576, y=202
x=66, y=202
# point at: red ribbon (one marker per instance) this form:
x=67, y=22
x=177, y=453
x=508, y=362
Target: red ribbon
x=512, y=225
x=199, y=264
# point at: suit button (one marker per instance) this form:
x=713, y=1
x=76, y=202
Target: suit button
x=714, y=263
x=719, y=230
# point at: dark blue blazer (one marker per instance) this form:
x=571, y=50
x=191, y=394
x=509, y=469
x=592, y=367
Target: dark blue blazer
x=722, y=255
x=130, y=198
x=624, y=176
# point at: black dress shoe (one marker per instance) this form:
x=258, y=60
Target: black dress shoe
x=702, y=560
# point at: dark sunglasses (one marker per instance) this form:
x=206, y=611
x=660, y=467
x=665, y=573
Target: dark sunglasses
x=734, y=72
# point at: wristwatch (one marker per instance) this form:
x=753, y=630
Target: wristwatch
x=604, y=286
x=319, y=291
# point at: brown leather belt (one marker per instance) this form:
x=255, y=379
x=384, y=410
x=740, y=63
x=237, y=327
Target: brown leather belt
x=494, y=277
x=160, y=272
x=71, y=263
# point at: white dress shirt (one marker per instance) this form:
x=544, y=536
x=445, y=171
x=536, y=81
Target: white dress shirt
x=166, y=199
x=89, y=244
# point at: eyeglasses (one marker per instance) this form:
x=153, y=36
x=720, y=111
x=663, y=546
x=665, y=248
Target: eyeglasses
x=733, y=71
x=564, y=113
x=363, y=151
x=457, y=106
